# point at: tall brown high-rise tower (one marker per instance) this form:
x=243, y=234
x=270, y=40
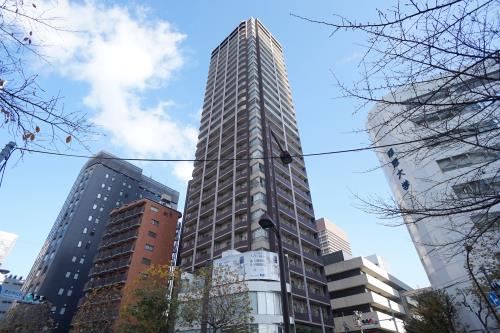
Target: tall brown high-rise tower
x=247, y=94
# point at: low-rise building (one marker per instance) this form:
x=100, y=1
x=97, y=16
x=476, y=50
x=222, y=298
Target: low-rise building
x=10, y=292
x=362, y=285
x=259, y=271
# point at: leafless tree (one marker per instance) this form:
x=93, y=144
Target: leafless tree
x=217, y=297
x=30, y=114
x=432, y=68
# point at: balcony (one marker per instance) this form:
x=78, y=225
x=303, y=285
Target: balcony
x=110, y=253
x=370, y=282
x=298, y=292
x=285, y=195
x=242, y=244
x=110, y=266
x=221, y=232
x=221, y=215
x=291, y=248
x=304, y=195
x=322, y=298
x=112, y=230
x=369, y=297
x=98, y=283
x=238, y=226
x=119, y=238
x=204, y=224
x=295, y=269
x=203, y=240
x=288, y=212
x=313, y=257
x=300, y=316
x=315, y=276
x=304, y=208
x=289, y=228
x=312, y=241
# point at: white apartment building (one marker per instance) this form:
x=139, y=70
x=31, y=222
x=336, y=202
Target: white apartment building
x=363, y=284
x=331, y=237
x=422, y=177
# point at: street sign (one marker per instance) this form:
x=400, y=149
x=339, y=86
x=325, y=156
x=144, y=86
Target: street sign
x=494, y=299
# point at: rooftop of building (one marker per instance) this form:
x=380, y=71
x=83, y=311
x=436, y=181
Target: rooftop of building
x=140, y=202
x=340, y=261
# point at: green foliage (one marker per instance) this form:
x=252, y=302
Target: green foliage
x=435, y=313
x=97, y=311
x=146, y=304
x=28, y=318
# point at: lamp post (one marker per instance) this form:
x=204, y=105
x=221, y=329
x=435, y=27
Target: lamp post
x=267, y=223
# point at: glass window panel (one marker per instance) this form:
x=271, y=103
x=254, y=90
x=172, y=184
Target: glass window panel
x=261, y=302
x=270, y=303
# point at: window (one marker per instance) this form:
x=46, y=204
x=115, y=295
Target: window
x=82, y=260
x=152, y=234
x=105, y=199
x=99, y=196
x=155, y=222
x=75, y=276
x=146, y=261
x=149, y=247
x=73, y=259
x=154, y=209
x=61, y=291
x=87, y=246
x=103, y=185
x=94, y=206
x=109, y=188
x=53, y=309
x=90, y=218
x=79, y=244
x=69, y=293
x=68, y=274
x=84, y=230
x=63, y=309
x=117, y=203
x=107, y=176
x=101, y=209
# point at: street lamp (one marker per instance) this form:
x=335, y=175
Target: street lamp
x=267, y=223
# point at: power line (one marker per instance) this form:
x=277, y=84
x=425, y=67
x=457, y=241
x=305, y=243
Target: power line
x=333, y=152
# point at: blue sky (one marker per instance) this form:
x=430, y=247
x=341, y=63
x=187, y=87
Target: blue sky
x=138, y=71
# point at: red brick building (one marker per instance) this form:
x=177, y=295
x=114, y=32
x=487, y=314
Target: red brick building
x=137, y=235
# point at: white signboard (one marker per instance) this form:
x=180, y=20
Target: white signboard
x=252, y=265
x=12, y=294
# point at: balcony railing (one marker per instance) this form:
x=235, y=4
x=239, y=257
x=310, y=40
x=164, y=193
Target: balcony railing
x=98, y=283
x=111, y=266
x=109, y=253
x=119, y=238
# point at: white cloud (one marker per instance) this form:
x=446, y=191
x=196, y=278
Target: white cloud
x=121, y=56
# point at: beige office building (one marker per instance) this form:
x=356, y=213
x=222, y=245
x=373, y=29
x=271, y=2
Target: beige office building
x=331, y=237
